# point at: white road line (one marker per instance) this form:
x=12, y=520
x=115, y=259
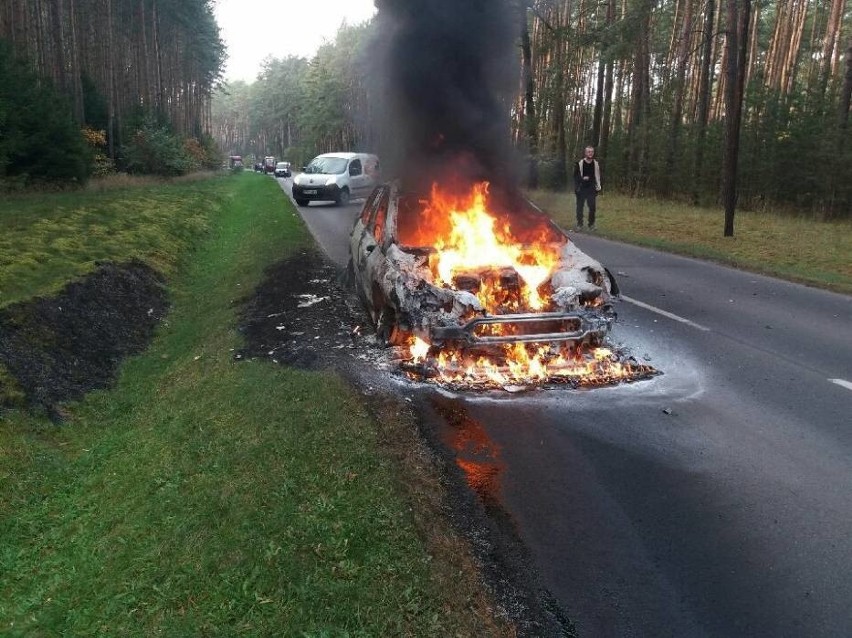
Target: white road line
x=842, y=383
x=659, y=311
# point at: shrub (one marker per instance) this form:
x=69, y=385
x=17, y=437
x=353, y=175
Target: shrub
x=40, y=141
x=155, y=150
x=102, y=165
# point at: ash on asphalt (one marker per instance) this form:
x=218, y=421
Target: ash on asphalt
x=303, y=315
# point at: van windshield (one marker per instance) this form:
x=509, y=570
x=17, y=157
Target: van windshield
x=327, y=165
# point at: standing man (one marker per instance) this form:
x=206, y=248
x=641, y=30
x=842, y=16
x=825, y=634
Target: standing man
x=587, y=185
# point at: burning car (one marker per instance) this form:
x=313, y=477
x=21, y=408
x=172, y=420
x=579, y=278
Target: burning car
x=466, y=280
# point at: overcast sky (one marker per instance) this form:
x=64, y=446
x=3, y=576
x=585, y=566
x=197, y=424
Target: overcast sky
x=255, y=29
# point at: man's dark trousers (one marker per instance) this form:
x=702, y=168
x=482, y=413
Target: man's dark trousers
x=586, y=193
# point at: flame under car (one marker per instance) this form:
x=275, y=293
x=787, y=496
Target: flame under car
x=462, y=271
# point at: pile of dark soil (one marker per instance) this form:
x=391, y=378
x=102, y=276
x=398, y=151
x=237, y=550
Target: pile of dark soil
x=55, y=349
x=302, y=315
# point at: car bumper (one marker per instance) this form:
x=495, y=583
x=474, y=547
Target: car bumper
x=316, y=193
x=548, y=327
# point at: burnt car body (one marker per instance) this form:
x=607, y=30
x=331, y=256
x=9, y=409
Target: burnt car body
x=395, y=282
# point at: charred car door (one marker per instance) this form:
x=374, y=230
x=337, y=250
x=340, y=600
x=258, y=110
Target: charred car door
x=368, y=259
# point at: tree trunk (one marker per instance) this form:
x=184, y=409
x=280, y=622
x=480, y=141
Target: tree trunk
x=110, y=64
x=559, y=108
x=832, y=31
x=155, y=21
x=58, y=64
x=606, y=124
x=637, y=127
x=704, y=89
x=736, y=45
x=845, y=93
x=529, y=121
x=680, y=89
x=754, y=37
x=77, y=86
x=599, y=102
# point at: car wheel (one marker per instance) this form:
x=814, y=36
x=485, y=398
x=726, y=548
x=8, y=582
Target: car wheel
x=349, y=280
x=388, y=331
x=301, y=202
x=343, y=197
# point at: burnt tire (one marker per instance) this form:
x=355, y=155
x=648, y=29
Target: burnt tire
x=388, y=332
x=349, y=280
x=343, y=197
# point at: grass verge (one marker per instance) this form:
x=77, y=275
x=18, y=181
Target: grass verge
x=48, y=239
x=205, y=496
x=795, y=248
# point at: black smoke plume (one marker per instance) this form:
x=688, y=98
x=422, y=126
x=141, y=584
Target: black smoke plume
x=446, y=71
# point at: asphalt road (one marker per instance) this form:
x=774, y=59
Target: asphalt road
x=714, y=500
x=711, y=501
x=330, y=224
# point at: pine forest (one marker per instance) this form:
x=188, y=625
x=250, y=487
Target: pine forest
x=717, y=102
x=708, y=101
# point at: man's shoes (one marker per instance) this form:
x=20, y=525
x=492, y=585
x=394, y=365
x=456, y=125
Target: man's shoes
x=592, y=227
x=578, y=228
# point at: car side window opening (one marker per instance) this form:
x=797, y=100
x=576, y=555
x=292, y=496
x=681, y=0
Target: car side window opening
x=355, y=167
x=370, y=206
x=381, y=217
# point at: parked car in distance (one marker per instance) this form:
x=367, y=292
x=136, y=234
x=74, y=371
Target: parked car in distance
x=336, y=177
x=282, y=169
x=269, y=164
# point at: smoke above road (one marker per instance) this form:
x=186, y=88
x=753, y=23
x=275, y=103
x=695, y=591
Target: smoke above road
x=445, y=72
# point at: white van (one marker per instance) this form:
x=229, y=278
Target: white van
x=336, y=177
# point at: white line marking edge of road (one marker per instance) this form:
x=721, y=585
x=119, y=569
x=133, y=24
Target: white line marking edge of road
x=664, y=313
x=843, y=383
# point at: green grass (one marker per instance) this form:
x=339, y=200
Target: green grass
x=204, y=496
x=796, y=248
x=47, y=239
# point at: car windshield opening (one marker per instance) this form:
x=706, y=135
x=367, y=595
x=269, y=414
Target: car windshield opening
x=327, y=165
x=528, y=226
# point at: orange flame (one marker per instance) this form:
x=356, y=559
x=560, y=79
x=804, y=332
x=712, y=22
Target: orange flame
x=475, y=241
x=472, y=243
x=521, y=364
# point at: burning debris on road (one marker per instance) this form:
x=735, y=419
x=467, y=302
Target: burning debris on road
x=584, y=368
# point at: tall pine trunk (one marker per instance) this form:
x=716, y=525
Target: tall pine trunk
x=845, y=94
x=736, y=44
x=529, y=122
x=680, y=90
x=704, y=90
